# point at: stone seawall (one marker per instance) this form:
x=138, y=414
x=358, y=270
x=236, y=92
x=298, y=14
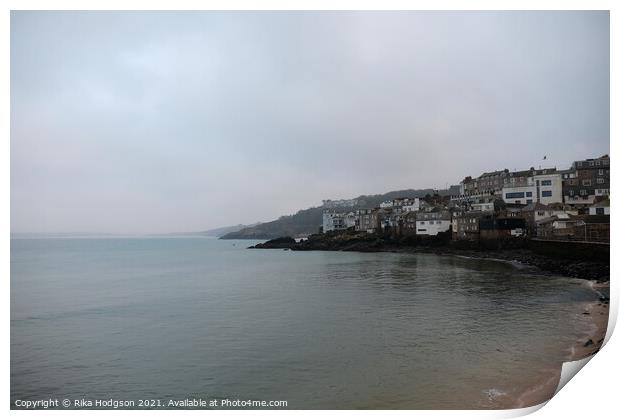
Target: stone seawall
x=590, y=251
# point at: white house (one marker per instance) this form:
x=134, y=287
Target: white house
x=558, y=225
x=412, y=204
x=519, y=194
x=331, y=204
x=350, y=219
x=401, y=205
x=548, y=187
x=542, y=186
x=432, y=223
x=338, y=221
x=490, y=206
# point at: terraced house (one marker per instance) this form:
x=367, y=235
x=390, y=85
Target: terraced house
x=586, y=181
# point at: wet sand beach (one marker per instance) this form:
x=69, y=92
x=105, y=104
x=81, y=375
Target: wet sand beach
x=544, y=388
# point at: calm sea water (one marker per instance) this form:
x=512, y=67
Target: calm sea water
x=180, y=318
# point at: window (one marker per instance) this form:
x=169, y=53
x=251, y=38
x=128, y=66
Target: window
x=600, y=210
x=598, y=163
x=421, y=230
x=579, y=164
x=571, y=192
x=528, y=194
x=546, y=182
x=432, y=222
x=600, y=181
x=528, y=201
x=587, y=182
x=541, y=213
x=421, y=223
x=547, y=193
x=601, y=172
x=591, y=163
x=583, y=192
x=515, y=195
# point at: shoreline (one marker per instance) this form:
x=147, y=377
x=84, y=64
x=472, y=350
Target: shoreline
x=526, y=259
x=521, y=259
x=587, y=345
x=590, y=342
x=520, y=255
x=543, y=388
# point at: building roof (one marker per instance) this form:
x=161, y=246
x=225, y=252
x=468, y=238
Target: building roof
x=544, y=171
x=559, y=206
x=520, y=173
x=589, y=160
x=561, y=217
x=494, y=173
x=442, y=214
x=535, y=207
x=469, y=214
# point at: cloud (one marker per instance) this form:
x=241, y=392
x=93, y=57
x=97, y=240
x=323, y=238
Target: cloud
x=170, y=121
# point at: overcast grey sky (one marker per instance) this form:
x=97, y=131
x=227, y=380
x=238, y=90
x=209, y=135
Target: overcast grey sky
x=146, y=122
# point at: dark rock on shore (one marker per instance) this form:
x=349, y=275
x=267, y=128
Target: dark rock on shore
x=341, y=242
x=284, y=242
x=588, y=270
x=351, y=240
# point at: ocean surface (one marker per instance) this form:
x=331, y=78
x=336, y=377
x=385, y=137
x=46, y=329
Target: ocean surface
x=176, y=318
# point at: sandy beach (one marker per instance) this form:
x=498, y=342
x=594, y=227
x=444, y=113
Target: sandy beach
x=589, y=344
x=544, y=385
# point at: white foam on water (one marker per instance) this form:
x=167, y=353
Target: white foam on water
x=493, y=393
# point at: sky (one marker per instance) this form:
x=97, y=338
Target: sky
x=154, y=122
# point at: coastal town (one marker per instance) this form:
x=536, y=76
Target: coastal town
x=545, y=204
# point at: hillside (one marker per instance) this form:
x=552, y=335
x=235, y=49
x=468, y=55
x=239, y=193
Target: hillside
x=306, y=222
x=221, y=231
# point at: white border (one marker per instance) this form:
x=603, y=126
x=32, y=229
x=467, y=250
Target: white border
x=591, y=394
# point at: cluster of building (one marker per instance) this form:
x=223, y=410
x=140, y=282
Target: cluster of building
x=570, y=204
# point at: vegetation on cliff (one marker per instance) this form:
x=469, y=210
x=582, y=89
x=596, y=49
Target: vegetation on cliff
x=306, y=222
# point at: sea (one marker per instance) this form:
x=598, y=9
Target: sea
x=165, y=319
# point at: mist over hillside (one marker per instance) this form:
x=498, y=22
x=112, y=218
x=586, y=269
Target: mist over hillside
x=221, y=231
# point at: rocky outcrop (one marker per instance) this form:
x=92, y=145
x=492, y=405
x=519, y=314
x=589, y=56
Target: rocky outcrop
x=441, y=245
x=284, y=242
x=350, y=240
